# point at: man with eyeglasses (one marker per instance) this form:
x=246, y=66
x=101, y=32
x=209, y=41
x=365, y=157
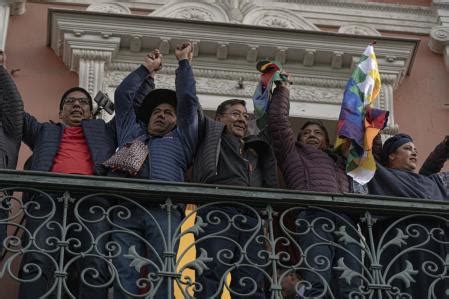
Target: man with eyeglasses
x=233, y=234
x=76, y=145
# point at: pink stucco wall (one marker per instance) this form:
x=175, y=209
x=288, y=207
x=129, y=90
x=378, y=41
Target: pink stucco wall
x=419, y=100
x=43, y=77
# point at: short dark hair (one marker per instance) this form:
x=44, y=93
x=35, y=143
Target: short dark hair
x=226, y=104
x=73, y=89
x=319, y=124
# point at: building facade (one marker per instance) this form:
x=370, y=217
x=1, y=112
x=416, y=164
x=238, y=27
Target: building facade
x=53, y=45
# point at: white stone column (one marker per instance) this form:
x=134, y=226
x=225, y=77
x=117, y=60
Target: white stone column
x=7, y=8
x=89, y=55
x=91, y=68
x=91, y=71
x=4, y=20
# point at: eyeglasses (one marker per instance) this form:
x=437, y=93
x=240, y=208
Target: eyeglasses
x=237, y=115
x=71, y=101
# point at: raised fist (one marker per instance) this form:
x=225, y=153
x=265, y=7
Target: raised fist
x=184, y=51
x=153, y=61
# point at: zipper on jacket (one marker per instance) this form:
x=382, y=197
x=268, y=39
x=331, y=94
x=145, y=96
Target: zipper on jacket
x=217, y=156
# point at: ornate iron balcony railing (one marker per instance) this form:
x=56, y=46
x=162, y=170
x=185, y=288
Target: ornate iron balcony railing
x=77, y=229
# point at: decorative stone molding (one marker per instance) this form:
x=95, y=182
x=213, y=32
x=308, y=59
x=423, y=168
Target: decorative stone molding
x=439, y=42
x=104, y=48
x=439, y=39
x=279, y=18
x=88, y=55
x=382, y=16
x=193, y=11
x=368, y=7
x=109, y=7
x=358, y=29
x=440, y=4
x=17, y=7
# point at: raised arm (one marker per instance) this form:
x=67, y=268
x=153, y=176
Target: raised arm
x=435, y=161
x=11, y=117
x=282, y=135
x=188, y=105
x=130, y=93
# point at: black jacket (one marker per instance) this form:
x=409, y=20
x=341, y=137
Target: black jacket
x=208, y=153
x=11, y=116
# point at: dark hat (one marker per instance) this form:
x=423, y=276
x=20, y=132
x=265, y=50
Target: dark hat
x=154, y=99
x=73, y=89
x=393, y=143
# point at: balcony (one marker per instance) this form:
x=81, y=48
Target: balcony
x=400, y=244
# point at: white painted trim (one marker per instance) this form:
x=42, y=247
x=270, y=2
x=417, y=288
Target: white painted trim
x=4, y=21
x=380, y=16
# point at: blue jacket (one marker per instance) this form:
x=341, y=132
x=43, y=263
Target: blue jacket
x=44, y=140
x=169, y=155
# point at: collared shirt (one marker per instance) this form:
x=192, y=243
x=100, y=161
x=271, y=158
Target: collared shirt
x=73, y=155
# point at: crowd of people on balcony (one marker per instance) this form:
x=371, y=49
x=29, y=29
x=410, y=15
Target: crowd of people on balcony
x=158, y=134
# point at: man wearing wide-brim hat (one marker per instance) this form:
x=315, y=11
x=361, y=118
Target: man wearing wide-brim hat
x=166, y=121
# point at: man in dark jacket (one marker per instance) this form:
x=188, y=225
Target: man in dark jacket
x=167, y=123
x=75, y=146
x=423, y=239
x=226, y=157
x=11, y=113
x=307, y=164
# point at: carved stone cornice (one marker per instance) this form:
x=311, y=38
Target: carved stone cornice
x=249, y=76
x=358, y=29
x=440, y=4
x=439, y=42
x=18, y=7
x=364, y=5
x=105, y=47
x=439, y=38
x=112, y=8
x=382, y=16
x=99, y=31
x=78, y=46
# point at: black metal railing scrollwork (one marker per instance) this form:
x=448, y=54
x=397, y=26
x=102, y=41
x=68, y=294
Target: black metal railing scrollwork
x=88, y=235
